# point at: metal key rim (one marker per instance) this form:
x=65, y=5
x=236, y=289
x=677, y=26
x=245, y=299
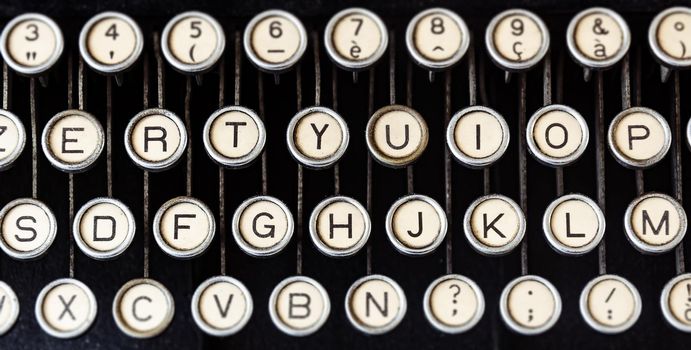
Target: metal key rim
x=306, y=160
x=156, y=166
x=411, y=251
x=262, y=252
x=99, y=254
x=334, y=252
x=430, y=64
x=43, y=248
x=76, y=167
x=9, y=160
x=550, y=160
x=583, y=305
x=555, y=243
x=659, y=54
x=200, y=67
x=492, y=250
x=40, y=317
x=635, y=163
x=37, y=70
x=402, y=309
x=479, y=312
x=274, y=67
x=120, y=322
x=240, y=162
x=664, y=303
x=168, y=248
x=199, y=320
x=301, y=332
x=346, y=63
x=512, y=66
x=471, y=162
x=111, y=68
x=508, y=318
x=647, y=248
x=587, y=62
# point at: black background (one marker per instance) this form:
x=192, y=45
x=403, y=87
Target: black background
x=569, y=274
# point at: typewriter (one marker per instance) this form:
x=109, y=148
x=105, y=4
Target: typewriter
x=308, y=174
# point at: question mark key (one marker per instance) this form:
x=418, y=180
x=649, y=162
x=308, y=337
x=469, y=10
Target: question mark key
x=453, y=304
x=675, y=302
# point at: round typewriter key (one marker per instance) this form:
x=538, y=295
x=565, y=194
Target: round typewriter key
x=12, y=138
x=437, y=38
x=477, y=136
x=262, y=226
x=192, y=42
x=299, y=306
x=28, y=228
x=234, y=136
x=610, y=304
x=557, y=135
x=9, y=308
x=530, y=305
x=340, y=226
x=375, y=304
x=111, y=42
x=355, y=38
x=184, y=227
x=31, y=43
x=517, y=40
x=675, y=302
x=143, y=308
x=73, y=140
x=598, y=38
x=669, y=37
x=453, y=304
x=416, y=225
x=155, y=139
x=573, y=224
x=275, y=40
x=494, y=224
x=655, y=223
x=103, y=228
x=396, y=135
x=66, y=308
x=317, y=137
x=221, y=306
x=639, y=137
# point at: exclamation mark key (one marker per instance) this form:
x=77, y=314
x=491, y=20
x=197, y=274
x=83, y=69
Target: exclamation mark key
x=676, y=302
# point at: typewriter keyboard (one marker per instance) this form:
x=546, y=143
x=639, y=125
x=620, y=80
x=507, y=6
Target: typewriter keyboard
x=344, y=177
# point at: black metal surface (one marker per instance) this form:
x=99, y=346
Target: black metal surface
x=280, y=102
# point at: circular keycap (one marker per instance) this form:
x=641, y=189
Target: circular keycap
x=9, y=310
x=340, y=226
x=375, y=304
x=155, y=139
x=416, y=225
x=184, y=227
x=598, y=38
x=396, y=136
x=262, y=226
x=557, y=135
x=31, y=43
x=610, y=304
x=27, y=228
x=517, y=40
x=103, y=228
x=453, y=304
x=111, y=42
x=494, y=225
x=655, y=223
x=477, y=136
x=234, y=136
x=573, y=224
x=192, y=42
x=275, y=40
x=12, y=138
x=437, y=38
x=675, y=302
x=73, y=140
x=669, y=37
x=66, y=308
x=317, y=137
x=639, y=137
x=355, y=38
x=221, y=306
x=299, y=306
x=530, y=305
x=143, y=308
